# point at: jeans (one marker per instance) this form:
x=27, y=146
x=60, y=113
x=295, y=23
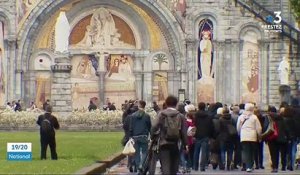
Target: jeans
x=237, y=152
x=169, y=159
x=226, y=148
x=275, y=148
x=183, y=161
x=201, y=144
x=189, y=156
x=141, y=147
x=248, y=150
x=259, y=154
x=291, y=152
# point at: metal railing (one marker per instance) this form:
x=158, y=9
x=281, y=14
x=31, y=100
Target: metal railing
x=261, y=12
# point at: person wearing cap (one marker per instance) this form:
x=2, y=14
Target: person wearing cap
x=48, y=138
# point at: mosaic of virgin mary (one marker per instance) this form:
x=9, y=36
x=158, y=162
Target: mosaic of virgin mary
x=205, y=50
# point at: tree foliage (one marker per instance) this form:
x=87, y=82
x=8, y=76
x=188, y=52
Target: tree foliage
x=295, y=4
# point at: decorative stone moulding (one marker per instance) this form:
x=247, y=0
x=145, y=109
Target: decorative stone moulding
x=61, y=68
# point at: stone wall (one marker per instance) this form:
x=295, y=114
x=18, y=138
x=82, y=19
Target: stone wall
x=61, y=98
x=229, y=20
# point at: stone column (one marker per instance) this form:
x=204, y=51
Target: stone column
x=147, y=87
x=285, y=93
x=61, y=86
x=192, y=69
x=139, y=76
x=101, y=72
x=219, y=71
x=11, y=59
x=29, y=81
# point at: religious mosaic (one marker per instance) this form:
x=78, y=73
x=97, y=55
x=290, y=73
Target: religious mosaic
x=160, y=87
x=85, y=85
x=119, y=79
x=102, y=32
x=205, y=61
x=43, y=88
x=250, y=68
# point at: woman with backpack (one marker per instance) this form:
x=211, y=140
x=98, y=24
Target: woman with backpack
x=277, y=140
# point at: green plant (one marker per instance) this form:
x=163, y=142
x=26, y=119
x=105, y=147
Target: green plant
x=295, y=4
x=75, y=151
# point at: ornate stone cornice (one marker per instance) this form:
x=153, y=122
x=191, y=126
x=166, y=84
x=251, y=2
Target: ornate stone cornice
x=61, y=68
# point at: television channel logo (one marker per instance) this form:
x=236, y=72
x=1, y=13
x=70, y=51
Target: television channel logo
x=19, y=151
x=273, y=25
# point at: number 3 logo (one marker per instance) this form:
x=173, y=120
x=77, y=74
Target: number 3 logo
x=277, y=17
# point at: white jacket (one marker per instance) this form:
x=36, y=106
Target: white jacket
x=248, y=127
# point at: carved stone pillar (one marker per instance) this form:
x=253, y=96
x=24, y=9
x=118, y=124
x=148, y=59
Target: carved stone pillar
x=101, y=72
x=11, y=59
x=139, y=77
x=191, y=46
x=61, y=85
x=30, y=93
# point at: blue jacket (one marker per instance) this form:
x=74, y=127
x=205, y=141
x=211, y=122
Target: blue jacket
x=139, y=123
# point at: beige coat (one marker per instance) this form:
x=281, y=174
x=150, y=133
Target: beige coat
x=249, y=127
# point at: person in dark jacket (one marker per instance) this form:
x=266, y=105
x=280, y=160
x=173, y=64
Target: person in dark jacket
x=226, y=139
x=48, y=138
x=259, y=155
x=18, y=106
x=169, y=154
x=279, y=144
x=141, y=125
x=131, y=108
x=92, y=106
x=180, y=108
x=155, y=107
x=289, y=119
x=111, y=107
x=237, y=144
x=204, y=131
x=47, y=102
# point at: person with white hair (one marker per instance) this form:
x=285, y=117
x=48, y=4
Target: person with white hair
x=249, y=128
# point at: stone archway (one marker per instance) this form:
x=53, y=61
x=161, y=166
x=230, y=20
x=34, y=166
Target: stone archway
x=167, y=24
x=28, y=33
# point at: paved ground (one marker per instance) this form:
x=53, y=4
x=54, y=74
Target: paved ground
x=121, y=168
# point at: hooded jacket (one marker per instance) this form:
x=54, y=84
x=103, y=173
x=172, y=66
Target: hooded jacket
x=140, y=123
x=204, y=125
x=224, y=135
x=248, y=127
x=158, y=126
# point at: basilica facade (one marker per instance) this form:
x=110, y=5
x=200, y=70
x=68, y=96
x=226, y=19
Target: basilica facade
x=74, y=51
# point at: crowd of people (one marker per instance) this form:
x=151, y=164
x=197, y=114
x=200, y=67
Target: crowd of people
x=228, y=137
x=17, y=106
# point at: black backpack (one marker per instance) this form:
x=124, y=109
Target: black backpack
x=46, y=126
x=173, y=127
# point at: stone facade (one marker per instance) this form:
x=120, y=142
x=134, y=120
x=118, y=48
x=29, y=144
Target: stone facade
x=157, y=28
